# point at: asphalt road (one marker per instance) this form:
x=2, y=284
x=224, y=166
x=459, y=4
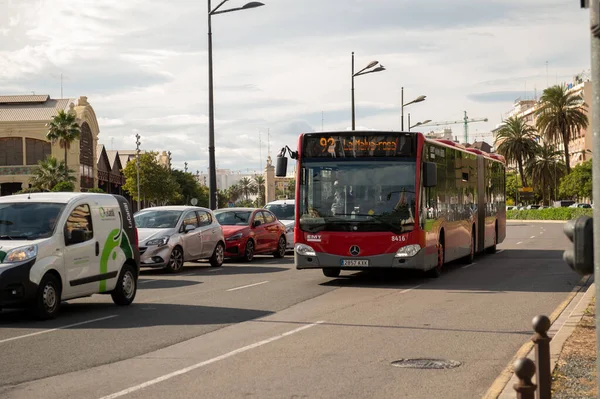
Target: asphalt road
x=267, y=330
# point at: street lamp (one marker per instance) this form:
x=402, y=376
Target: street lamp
x=137, y=164
x=213, y=201
x=416, y=100
x=417, y=124
x=363, y=71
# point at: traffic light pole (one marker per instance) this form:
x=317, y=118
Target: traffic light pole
x=595, y=44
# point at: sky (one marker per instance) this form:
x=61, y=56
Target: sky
x=285, y=68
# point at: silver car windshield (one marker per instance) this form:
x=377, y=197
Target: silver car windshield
x=157, y=219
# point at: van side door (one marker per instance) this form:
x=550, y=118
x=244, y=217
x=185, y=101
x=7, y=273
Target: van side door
x=81, y=254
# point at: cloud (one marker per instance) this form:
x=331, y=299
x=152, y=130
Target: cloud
x=285, y=68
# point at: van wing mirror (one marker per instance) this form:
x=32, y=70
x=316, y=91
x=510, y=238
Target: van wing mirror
x=429, y=174
x=77, y=236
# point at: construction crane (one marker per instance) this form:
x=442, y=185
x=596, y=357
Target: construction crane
x=465, y=122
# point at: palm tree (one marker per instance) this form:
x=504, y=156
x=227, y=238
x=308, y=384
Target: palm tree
x=49, y=172
x=234, y=193
x=259, y=181
x=64, y=129
x=544, y=168
x=560, y=115
x=516, y=142
x=247, y=186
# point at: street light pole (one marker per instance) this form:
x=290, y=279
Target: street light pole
x=363, y=71
x=137, y=163
x=353, y=112
x=402, y=105
x=212, y=169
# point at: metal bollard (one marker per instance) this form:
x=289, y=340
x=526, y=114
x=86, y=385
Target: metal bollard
x=524, y=369
x=541, y=325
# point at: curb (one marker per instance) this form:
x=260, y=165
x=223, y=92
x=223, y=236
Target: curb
x=534, y=221
x=566, y=315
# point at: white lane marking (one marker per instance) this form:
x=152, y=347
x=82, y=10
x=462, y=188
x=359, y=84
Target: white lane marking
x=500, y=250
x=188, y=274
x=247, y=286
x=464, y=267
x=56, y=329
x=520, y=242
x=532, y=237
x=541, y=232
x=410, y=289
x=215, y=270
x=207, y=362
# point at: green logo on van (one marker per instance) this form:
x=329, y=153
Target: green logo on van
x=106, y=213
x=2, y=256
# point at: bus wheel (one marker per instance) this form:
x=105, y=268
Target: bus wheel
x=437, y=270
x=471, y=256
x=492, y=249
x=331, y=272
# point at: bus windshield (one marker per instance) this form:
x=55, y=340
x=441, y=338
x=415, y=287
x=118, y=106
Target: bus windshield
x=357, y=196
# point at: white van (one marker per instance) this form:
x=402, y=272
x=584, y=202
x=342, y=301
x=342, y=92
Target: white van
x=285, y=210
x=60, y=246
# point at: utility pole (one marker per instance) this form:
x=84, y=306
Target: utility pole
x=185, y=166
x=137, y=162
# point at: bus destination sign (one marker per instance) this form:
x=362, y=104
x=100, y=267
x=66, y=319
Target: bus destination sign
x=354, y=146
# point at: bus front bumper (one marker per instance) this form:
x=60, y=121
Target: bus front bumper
x=322, y=260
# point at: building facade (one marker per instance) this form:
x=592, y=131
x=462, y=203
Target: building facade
x=23, y=141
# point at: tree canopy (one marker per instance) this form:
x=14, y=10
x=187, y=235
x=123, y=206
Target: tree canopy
x=157, y=183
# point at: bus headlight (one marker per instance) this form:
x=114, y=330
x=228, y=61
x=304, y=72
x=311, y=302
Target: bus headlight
x=408, y=251
x=305, y=250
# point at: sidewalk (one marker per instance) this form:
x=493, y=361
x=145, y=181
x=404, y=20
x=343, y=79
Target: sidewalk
x=572, y=350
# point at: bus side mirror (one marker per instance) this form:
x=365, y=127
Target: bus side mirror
x=429, y=174
x=281, y=166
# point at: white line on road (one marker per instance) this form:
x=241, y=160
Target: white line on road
x=207, y=362
x=500, y=250
x=532, y=237
x=215, y=270
x=520, y=242
x=55, y=329
x=464, y=267
x=410, y=289
x=246, y=286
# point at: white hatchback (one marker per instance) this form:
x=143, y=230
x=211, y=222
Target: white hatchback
x=285, y=210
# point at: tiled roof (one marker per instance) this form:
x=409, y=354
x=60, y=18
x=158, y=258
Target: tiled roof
x=40, y=98
x=33, y=111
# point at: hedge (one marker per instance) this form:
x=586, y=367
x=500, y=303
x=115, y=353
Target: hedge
x=549, y=213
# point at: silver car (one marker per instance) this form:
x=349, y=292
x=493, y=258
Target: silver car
x=168, y=236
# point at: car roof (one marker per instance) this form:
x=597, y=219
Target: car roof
x=62, y=198
x=281, y=202
x=245, y=209
x=174, y=208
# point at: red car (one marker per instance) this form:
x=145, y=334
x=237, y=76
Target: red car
x=251, y=231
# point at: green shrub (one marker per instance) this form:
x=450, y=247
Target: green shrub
x=549, y=213
x=64, y=187
x=96, y=190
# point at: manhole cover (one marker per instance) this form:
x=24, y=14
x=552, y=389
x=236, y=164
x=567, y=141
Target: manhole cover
x=437, y=364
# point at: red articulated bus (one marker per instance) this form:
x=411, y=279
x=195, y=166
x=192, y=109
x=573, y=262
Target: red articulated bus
x=367, y=200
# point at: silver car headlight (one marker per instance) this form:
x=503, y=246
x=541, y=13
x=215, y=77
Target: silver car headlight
x=408, y=251
x=21, y=254
x=158, y=241
x=305, y=250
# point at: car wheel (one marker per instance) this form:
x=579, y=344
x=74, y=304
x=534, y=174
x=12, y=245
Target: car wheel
x=281, y=248
x=249, y=251
x=218, y=256
x=175, y=264
x=48, y=298
x=126, y=287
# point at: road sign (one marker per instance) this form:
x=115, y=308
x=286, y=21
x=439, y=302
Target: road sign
x=526, y=189
x=194, y=201
x=231, y=204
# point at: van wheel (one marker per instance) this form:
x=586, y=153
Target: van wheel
x=216, y=260
x=175, y=264
x=126, y=288
x=48, y=298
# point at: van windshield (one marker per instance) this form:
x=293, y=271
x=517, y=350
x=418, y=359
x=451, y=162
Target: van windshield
x=157, y=219
x=28, y=220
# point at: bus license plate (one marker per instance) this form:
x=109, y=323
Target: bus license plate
x=355, y=262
